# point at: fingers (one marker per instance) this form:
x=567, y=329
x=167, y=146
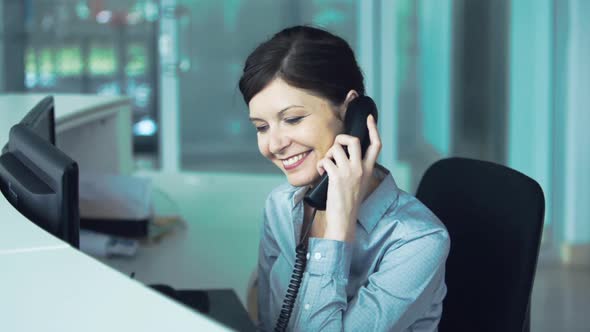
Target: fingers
x=375, y=146
x=328, y=166
x=353, y=145
x=339, y=163
x=337, y=153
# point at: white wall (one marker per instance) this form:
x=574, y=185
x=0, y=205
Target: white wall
x=550, y=109
x=577, y=121
x=529, y=124
x=435, y=67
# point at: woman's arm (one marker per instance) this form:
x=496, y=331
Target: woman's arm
x=397, y=294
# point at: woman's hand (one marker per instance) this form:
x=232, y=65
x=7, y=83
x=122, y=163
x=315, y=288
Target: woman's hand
x=350, y=179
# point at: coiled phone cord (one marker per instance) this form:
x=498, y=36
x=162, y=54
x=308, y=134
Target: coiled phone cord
x=295, y=283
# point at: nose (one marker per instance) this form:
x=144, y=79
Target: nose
x=278, y=142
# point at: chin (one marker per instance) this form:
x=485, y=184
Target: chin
x=300, y=181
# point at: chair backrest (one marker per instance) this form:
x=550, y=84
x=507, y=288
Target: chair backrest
x=494, y=216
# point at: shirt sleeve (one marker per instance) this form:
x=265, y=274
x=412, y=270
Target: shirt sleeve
x=268, y=252
x=399, y=292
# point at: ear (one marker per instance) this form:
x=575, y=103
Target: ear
x=350, y=96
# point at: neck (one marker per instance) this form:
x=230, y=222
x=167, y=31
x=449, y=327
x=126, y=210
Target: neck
x=374, y=182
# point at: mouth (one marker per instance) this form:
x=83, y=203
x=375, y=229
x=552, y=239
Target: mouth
x=294, y=161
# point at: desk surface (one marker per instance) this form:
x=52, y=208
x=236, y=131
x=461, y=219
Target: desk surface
x=18, y=234
x=65, y=290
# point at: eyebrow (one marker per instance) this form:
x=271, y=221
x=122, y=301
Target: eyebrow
x=280, y=112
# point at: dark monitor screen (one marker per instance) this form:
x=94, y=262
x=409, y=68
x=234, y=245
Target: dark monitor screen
x=39, y=179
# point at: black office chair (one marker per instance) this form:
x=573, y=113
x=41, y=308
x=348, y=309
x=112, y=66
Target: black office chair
x=494, y=216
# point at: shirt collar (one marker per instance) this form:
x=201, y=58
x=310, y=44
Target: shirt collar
x=298, y=194
x=373, y=207
x=379, y=201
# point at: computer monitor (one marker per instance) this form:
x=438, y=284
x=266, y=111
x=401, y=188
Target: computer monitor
x=40, y=180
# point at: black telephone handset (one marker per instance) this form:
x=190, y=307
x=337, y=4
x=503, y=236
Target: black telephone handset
x=355, y=124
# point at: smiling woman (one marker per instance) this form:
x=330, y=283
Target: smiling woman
x=377, y=251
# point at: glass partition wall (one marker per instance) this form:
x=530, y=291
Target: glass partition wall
x=492, y=80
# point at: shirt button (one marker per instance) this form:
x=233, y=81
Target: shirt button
x=318, y=256
x=306, y=306
x=307, y=256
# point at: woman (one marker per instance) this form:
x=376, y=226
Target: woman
x=375, y=257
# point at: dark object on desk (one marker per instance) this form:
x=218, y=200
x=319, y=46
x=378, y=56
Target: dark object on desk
x=494, y=216
x=40, y=180
x=222, y=305
x=227, y=309
x=124, y=228
x=196, y=300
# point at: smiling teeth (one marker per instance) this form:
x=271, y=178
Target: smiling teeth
x=293, y=160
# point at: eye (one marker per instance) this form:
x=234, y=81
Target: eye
x=261, y=129
x=294, y=120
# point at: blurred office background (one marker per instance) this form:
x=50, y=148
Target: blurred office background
x=504, y=81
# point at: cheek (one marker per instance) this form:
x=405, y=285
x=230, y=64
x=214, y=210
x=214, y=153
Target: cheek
x=324, y=137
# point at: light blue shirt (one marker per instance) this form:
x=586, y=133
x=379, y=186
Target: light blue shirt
x=390, y=279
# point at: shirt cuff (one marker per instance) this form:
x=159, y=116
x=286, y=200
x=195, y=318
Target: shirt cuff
x=325, y=256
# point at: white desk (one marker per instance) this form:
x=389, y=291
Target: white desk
x=48, y=285
x=18, y=234
x=65, y=290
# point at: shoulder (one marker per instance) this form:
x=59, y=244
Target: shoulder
x=413, y=221
x=280, y=195
x=278, y=216
x=284, y=188
x=278, y=205
x=402, y=217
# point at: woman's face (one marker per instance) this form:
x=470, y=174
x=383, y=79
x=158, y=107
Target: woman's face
x=295, y=129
